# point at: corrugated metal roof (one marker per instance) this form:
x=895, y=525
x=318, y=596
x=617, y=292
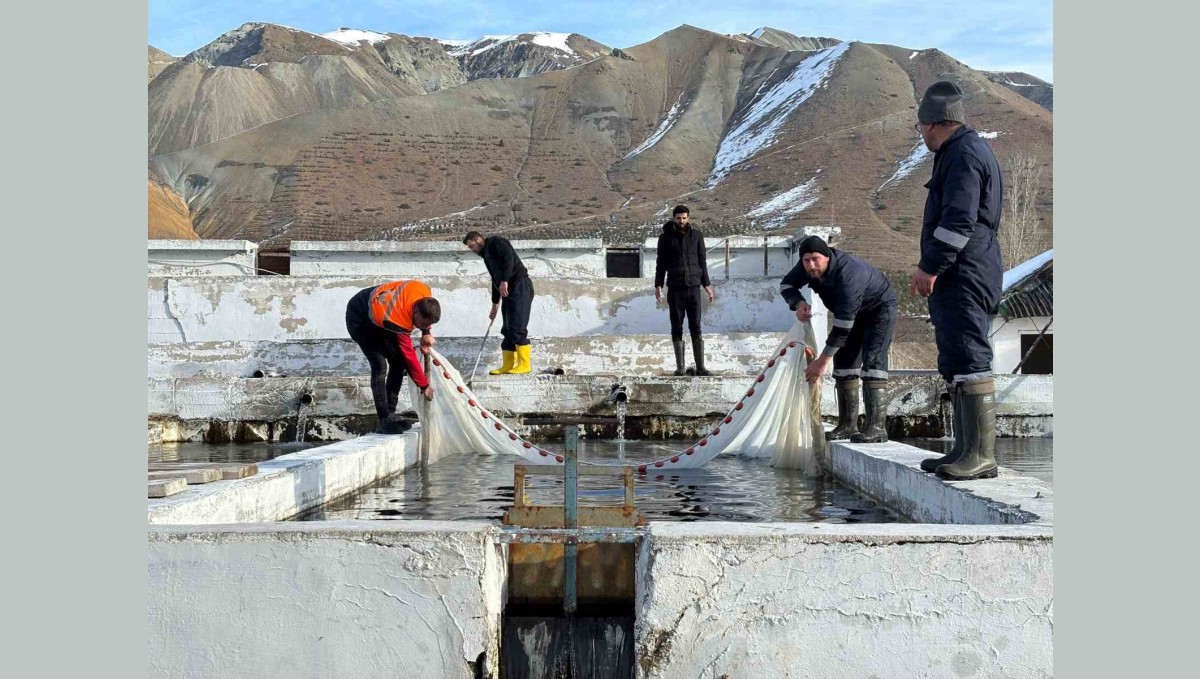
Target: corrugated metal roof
x=1033, y=296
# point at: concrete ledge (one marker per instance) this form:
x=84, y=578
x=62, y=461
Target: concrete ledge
x=912, y=395
x=582, y=258
x=891, y=473
x=336, y=599
x=291, y=484
x=201, y=257
x=830, y=601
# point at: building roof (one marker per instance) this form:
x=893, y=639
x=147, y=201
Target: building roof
x=1028, y=288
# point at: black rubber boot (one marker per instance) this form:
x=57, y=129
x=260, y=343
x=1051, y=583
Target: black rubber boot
x=393, y=424
x=847, y=403
x=698, y=354
x=679, y=366
x=875, y=396
x=978, y=459
x=932, y=463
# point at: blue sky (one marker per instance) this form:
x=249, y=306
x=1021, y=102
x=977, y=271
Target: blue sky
x=1015, y=35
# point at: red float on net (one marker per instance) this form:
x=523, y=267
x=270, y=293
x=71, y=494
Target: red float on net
x=527, y=444
x=641, y=468
x=437, y=362
x=674, y=458
x=543, y=453
x=512, y=437
x=761, y=378
x=716, y=431
x=689, y=451
x=771, y=363
x=558, y=458
x=471, y=403
x=460, y=389
x=658, y=464
x=729, y=419
x=704, y=442
x=739, y=406
x=498, y=426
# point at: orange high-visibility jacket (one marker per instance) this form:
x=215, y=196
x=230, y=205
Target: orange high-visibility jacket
x=392, y=304
x=391, y=308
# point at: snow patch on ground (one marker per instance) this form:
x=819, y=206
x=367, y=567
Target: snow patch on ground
x=918, y=153
x=764, y=116
x=666, y=124
x=987, y=135
x=775, y=212
x=351, y=36
x=556, y=41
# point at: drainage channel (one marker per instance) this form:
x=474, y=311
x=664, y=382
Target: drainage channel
x=570, y=576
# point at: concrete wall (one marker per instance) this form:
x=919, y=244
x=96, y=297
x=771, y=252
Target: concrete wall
x=582, y=258
x=1006, y=340
x=827, y=601
x=338, y=599
x=1024, y=398
x=291, y=484
x=284, y=308
x=891, y=474
x=201, y=258
x=745, y=257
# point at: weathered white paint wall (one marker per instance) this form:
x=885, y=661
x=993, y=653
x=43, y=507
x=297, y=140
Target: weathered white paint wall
x=1006, y=340
x=284, y=308
x=581, y=258
x=331, y=599
x=829, y=601
x=293, y=483
x=201, y=257
x=220, y=397
x=746, y=257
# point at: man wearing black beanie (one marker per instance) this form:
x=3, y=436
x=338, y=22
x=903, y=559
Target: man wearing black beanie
x=960, y=272
x=683, y=265
x=863, y=308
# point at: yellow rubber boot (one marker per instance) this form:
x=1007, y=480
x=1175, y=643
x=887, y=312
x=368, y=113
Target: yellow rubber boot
x=524, y=364
x=510, y=359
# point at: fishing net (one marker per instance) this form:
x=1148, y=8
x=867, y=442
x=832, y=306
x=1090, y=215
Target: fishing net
x=777, y=417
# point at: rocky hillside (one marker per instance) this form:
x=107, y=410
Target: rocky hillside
x=755, y=138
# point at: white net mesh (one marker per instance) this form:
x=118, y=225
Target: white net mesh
x=772, y=419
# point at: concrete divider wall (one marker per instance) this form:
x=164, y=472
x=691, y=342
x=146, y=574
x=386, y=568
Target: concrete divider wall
x=344, y=599
x=581, y=258
x=284, y=308
x=749, y=256
x=820, y=600
x=291, y=484
x=201, y=258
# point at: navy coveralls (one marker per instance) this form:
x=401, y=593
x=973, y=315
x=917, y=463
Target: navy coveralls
x=959, y=245
x=863, y=305
x=504, y=265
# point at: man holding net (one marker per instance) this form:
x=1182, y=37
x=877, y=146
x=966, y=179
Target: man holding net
x=863, y=305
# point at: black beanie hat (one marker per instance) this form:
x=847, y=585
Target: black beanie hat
x=814, y=244
x=942, y=101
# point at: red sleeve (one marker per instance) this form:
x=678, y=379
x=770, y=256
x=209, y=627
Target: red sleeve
x=411, y=362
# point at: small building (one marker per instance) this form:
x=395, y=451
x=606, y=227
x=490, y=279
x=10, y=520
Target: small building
x=1023, y=331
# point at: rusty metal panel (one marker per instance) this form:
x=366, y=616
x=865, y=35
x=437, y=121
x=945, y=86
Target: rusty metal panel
x=548, y=516
x=604, y=573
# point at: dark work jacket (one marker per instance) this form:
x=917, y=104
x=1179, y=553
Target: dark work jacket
x=681, y=258
x=849, y=287
x=962, y=210
x=502, y=264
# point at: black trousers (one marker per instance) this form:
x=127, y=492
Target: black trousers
x=382, y=351
x=684, y=302
x=964, y=302
x=514, y=310
x=865, y=352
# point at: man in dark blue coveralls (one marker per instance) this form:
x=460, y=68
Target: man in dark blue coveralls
x=960, y=273
x=863, y=305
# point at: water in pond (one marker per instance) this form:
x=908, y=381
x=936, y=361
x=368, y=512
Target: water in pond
x=1029, y=456
x=480, y=488
x=222, y=452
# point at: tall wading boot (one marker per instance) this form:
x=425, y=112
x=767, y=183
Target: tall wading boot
x=698, y=355
x=875, y=430
x=680, y=369
x=847, y=403
x=510, y=359
x=523, y=363
x=932, y=463
x=978, y=459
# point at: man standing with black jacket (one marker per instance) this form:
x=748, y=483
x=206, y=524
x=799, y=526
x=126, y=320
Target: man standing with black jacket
x=683, y=264
x=512, y=296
